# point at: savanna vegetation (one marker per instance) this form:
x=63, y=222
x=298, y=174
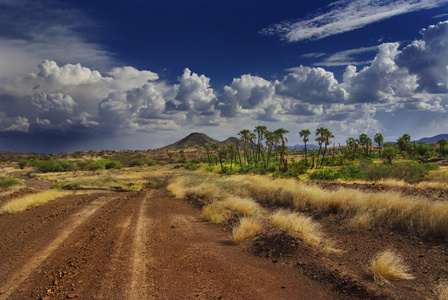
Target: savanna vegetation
x=256, y=184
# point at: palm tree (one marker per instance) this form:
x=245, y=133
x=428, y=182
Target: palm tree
x=305, y=133
x=245, y=137
x=280, y=134
x=442, y=143
x=403, y=141
x=327, y=135
x=260, y=130
x=320, y=133
x=379, y=140
x=364, y=141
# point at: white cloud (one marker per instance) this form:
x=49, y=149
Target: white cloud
x=15, y=124
x=250, y=96
x=428, y=59
x=38, y=30
x=345, y=15
x=311, y=85
x=194, y=92
x=379, y=82
x=347, y=57
x=53, y=102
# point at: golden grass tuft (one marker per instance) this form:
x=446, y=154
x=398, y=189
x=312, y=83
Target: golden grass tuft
x=388, y=265
x=243, y=206
x=215, y=212
x=220, y=211
x=442, y=291
x=247, y=229
x=363, y=210
x=304, y=227
x=20, y=204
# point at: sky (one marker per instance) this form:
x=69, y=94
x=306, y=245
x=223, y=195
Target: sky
x=79, y=75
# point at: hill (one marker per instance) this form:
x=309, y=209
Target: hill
x=200, y=139
x=191, y=141
x=433, y=139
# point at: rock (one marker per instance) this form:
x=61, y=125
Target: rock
x=70, y=296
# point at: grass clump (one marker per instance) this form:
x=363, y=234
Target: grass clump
x=247, y=229
x=6, y=182
x=20, y=204
x=442, y=291
x=221, y=211
x=215, y=212
x=303, y=227
x=388, y=265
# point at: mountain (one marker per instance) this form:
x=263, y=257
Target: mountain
x=433, y=139
x=302, y=147
x=234, y=140
x=191, y=141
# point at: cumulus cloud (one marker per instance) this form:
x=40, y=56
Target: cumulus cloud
x=428, y=59
x=194, y=92
x=311, y=85
x=53, y=102
x=249, y=95
x=343, y=16
x=37, y=30
x=15, y=124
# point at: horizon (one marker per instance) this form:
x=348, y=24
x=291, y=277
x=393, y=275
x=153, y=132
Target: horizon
x=293, y=144
x=81, y=75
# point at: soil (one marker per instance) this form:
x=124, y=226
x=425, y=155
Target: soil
x=135, y=245
x=149, y=245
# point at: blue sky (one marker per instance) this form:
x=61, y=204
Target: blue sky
x=83, y=74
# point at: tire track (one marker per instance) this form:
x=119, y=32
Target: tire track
x=76, y=220
x=140, y=284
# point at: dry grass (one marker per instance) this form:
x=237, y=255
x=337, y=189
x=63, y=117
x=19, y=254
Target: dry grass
x=387, y=265
x=247, y=229
x=243, y=206
x=442, y=291
x=304, y=227
x=20, y=204
x=216, y=212
x=220, y=211
x=130, y=179
x=363, y=210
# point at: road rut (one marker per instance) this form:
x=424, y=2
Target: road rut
x=136, y=245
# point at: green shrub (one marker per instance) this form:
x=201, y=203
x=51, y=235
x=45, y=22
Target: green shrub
x=350, y=172
x=405, y=171
x=6, y=181
x=326, y=174
x=53, y=165
x=113, y=164
x=137, y=163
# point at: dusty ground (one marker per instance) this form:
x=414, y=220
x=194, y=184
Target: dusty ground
x=149, y=245
x=139, y=245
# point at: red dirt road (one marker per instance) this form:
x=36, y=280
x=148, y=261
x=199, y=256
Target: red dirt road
x=142, y=245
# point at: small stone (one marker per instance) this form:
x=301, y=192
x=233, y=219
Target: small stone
x=72, y=296
x=283, y=287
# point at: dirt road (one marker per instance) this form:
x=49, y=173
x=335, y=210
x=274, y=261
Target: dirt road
x=142, y=245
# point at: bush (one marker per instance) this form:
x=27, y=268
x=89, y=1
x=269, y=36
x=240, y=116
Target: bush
x=52, y=165
x=405, y=171
x=326, y=174
x=6, y=181
x=113, y=165
x=350, y=172
x=104, y=164
x=137, y=163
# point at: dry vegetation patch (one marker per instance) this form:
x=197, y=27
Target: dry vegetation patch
x=247, y=228
x=25, y=202
x=388, y=265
